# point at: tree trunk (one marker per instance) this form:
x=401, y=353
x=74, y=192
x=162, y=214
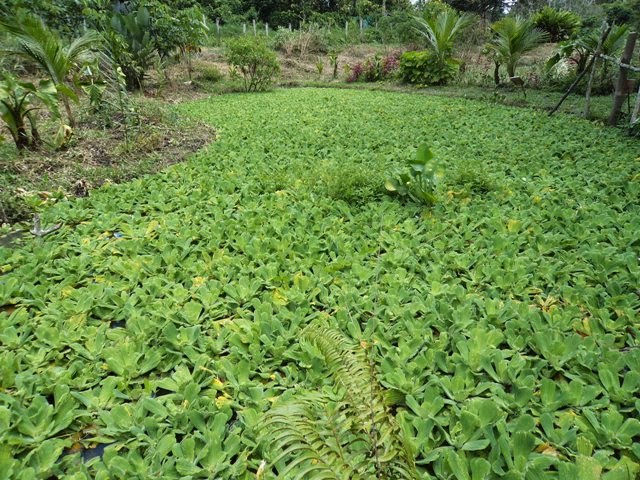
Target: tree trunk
x=22, y=137
x=621, y=87
x=36, y=141
x=67, y=108
x=496, y=73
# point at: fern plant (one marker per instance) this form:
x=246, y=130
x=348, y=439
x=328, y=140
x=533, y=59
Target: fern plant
x=344, y=432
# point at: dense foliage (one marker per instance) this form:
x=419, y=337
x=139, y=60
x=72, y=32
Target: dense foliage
x=151, y=334
x=424, y=68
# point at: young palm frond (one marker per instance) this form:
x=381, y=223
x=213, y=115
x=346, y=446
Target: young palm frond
x=34, y=41
x=612, y=45
x=352, y=437
x=512, y=38
x=441, y=31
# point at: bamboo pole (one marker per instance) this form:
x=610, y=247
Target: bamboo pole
x=621, y=87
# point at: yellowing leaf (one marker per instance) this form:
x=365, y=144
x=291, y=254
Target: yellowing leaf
x=279, y=298
x=513, y=225
x=153, y=225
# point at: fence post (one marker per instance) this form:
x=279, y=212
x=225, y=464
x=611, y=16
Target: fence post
x=218, y=27
x=254, y=28
x=290, y=28
x=621, y=87
x=636, y=109
x=244, y=28
x=266, y=29
x=346, y=28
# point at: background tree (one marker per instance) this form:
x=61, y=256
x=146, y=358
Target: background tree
x=487, y=10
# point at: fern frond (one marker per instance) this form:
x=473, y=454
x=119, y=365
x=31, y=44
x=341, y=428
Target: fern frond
x=354, y=438
x=292, y=429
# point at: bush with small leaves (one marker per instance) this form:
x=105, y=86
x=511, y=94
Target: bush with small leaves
x=251, y=60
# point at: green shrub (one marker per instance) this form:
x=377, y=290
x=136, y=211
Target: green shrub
x=559, y=24
x=425, y=68
x=254, y=62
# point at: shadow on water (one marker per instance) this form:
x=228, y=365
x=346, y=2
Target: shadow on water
x=13, y=239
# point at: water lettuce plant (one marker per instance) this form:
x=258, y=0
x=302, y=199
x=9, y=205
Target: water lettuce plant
x=149, y=336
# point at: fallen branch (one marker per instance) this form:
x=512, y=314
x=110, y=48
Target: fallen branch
x=37, y=229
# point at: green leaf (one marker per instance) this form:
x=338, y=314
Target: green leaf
x=458, y=465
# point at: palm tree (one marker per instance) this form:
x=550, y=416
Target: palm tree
x=512, y=38
x=441, y=31
x=33, y=40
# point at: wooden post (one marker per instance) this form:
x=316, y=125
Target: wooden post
x=621, y=87
x=266, y=29
x=587, y=98
x=290, y=28
x=244, y=28
x=636, y=109
x=218, y=27
x=254, y=28
x=361, y=26
x=346, y=29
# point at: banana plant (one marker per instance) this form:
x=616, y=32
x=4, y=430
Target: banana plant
x=131, y=45
x=18, y=101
